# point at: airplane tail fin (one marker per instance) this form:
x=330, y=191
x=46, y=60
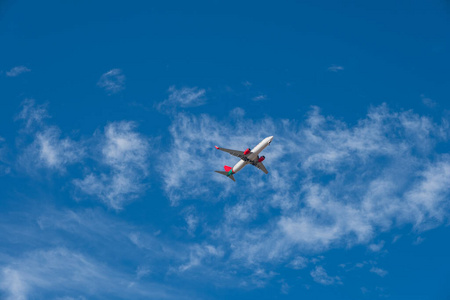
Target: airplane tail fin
x=227, y=168
x=226, y=174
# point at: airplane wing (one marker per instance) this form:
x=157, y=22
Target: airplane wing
x=236, y=153
x=260, y=166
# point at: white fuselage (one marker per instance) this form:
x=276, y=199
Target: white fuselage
x=253, y=156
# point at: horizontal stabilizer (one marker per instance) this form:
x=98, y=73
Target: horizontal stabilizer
x=226, y=174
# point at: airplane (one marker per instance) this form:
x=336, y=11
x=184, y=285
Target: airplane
x=247, y=157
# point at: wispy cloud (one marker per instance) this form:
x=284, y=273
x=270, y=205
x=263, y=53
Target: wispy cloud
x=298, y=263
x=191, y=219
x=119, y=156
x=332, y=183
x=124, y=153
x=52, y=151
x=13, y=285
x=419, y=240
x=335, y=68
x=199, y=253
x=69, y=272
x=376, y=247
x=184, y=97
x=260, y=97
x=320, y=276
x=48, y=149
x=428, y=101
x=378, y=271
x=32, y=114
x=284, y=288
x=237, y=112
x=45, y=256
x=16, y=71
x=112, y=81
x=177, y=173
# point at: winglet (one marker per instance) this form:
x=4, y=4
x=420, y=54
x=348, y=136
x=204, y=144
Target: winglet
x=217, y=147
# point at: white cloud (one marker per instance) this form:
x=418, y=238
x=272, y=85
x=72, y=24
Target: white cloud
x=334, y=185
x=428, y=101
x=184, y=97
x=16, y=71
x=103, y=231
x=194, y=155
x=48, y=149
x=54, y=152
x=419, y=240
x=192, y=221
x=33, y=115
x=198, y=253
x=376, y=247
x=320, y=276
x=284, y=288
x=62, y=271
x=142, y=271
x=73, y=253
x=298, y=263
x=120, y=156
x=124, y=154
x=237, y=112
x=335, y=68
x=378, y=271
x=12, y=283
x=260, y=277
x=396, y=238
x=240, y=212
x=259, y=97
x=112, y=81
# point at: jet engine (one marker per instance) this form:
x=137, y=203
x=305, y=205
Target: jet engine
x=247, y=151
x=261, y=158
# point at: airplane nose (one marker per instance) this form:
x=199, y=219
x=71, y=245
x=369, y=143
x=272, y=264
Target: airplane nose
x=271, y=138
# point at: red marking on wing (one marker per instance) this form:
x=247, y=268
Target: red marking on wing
x=216, y=147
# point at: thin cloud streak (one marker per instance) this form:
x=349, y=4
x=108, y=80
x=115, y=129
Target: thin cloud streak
x=260, y=97
x=428, y=101
x=112, y=81
x=184, y=97
x=335, y=68
x=16, y=71
x=47, y=257
x=378, y=271
x=64, y=271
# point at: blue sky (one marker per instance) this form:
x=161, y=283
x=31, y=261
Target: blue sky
x=109, y=116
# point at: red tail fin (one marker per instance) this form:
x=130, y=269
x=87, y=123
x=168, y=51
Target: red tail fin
x=227, y=168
